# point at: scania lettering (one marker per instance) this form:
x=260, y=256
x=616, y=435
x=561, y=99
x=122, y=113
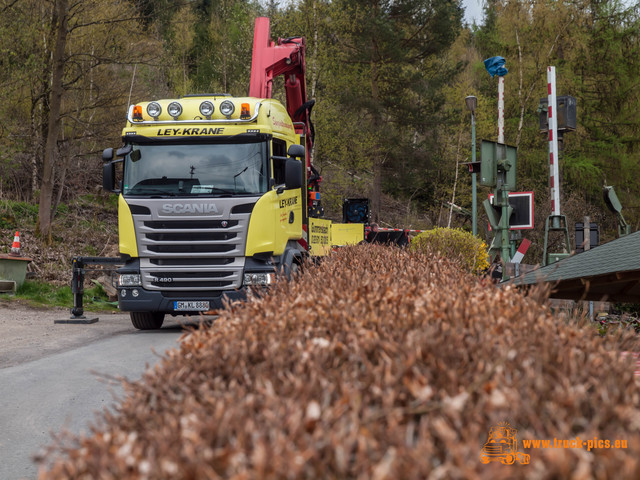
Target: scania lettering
x=180, y=208
x=216, y=193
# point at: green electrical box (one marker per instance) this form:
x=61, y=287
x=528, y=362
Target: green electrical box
x=498, y=160
x=488, y=165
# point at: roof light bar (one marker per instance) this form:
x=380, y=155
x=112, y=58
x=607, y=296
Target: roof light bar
x=227, y=112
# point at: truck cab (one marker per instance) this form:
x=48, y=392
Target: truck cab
x=210, y=202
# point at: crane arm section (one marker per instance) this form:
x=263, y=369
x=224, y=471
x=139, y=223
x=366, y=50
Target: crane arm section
x=285, y=57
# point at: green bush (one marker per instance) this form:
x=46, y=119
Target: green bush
x=456, y=244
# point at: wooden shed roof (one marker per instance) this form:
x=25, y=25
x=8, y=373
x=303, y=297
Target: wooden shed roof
x=609, y=272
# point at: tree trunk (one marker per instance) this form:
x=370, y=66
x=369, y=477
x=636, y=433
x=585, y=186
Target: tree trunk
x=55, y=99
x=61, y=181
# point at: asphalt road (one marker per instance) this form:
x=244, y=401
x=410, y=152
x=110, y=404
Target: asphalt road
x=55, y=378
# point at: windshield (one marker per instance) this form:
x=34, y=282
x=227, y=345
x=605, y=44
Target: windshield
x=196, y=170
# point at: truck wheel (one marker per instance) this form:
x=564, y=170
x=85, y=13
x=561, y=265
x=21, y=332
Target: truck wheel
x=289, y=270
x=147, y=320
x=293, y=270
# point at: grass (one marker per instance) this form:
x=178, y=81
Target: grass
x=41, y=294
x=82, y=226
x=14, y=213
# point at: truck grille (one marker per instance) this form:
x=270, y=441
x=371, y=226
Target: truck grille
x=190, y=248
x=210, y=280
x=191, y=237
x=184, y=256
x=189, y=224
x=173, y=262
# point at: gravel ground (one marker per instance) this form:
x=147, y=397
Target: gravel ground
x=30, y=333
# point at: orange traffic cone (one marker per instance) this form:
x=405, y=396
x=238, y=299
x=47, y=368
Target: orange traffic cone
x=15, y=248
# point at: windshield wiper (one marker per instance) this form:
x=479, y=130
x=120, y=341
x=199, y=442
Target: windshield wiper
x=223, y=190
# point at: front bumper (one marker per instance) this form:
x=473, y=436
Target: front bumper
x=148, y=301
x=164, y=300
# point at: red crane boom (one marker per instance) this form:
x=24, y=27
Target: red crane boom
x=284, y=57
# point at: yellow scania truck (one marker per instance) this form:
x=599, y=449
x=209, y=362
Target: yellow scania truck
x=216, y=193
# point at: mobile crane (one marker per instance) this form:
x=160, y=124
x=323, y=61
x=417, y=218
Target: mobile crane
x=217, y=194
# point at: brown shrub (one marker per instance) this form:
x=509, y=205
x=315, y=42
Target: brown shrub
x=376, y=364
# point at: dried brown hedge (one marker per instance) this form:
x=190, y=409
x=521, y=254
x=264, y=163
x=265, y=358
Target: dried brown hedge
x=375, y=364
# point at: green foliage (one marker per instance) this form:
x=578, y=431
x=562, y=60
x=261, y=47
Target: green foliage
x=90, y=200
x=382, y=70
x=50, y=139
x=208, y=46
x=580, y=170
x=17, y=215
x=594, y=47
x=24, y=215
x=461, y=246
x=389, y=79
x=40, y=294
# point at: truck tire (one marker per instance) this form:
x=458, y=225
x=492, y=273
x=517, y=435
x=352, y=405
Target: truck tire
x=292, y=269
x=147, y=320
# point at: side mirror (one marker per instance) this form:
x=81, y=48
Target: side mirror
x=107, y=154
x=296, y=151
x=109, y=177
x=293, y=174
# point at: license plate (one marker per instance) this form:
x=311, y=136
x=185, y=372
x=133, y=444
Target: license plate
x=191, y=306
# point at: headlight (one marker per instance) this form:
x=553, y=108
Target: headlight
x=227, y=108
x=154, y=109
x=129, y=280
x=174, y=109
x=262, y=279
x=207, y=108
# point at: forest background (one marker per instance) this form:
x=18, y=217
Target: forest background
x=389, y=79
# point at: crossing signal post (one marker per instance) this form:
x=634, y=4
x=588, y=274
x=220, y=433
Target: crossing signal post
x=472, y=103
x=498, y=171
x=521, y=218
x=558, y=115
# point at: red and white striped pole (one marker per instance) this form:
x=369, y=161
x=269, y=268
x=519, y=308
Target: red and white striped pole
x=522, y=249
x=554, y=172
